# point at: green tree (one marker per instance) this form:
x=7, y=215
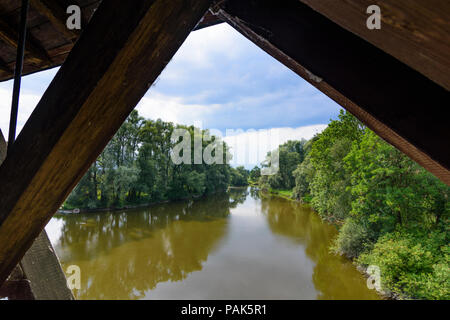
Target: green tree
x=239, y=176
x=329, y=186
x=255, y=174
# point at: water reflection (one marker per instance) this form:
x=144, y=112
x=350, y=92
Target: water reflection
x=238, y=245
x=122, y=255
x=334, y=277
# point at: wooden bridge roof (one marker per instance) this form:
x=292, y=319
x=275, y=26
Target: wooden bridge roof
x=418, y=31
x=49, y=41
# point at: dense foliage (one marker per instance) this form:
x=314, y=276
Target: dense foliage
x=290, y=155
x=390, y=211
x=239, y=176
x=136, y=167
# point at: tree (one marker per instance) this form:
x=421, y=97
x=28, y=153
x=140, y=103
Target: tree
x=136, y=167
x=255, y=174
x=239, y=176
x=290, y=155
x=331, y=179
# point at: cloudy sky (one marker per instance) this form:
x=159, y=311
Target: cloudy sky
x=217, y=79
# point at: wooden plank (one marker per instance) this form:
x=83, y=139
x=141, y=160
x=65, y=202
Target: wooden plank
x=50, y=39
x=57, y=16
x=16, y=290
x=33, y=52
x=416, y=32
x=41, y=267
x=116, y=59
x=4, y=67
x=208, y=20
x=3, y=147
x=398, y=103
x=16, y=287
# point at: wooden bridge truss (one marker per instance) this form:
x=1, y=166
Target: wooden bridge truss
x=395, y=80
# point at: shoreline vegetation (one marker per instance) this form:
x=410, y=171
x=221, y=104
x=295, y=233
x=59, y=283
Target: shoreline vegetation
x=389, y=211
x=137, y=206
x=288, y=195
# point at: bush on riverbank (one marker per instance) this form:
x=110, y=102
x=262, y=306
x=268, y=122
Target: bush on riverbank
x=371, y=191
x=414, y=263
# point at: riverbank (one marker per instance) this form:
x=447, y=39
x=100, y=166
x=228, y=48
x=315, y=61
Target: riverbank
x=141, y=205
x=127, y=207
x=285, y=194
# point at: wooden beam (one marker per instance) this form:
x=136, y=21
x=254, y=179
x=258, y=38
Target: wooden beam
x=16, y=287
x=4, y=67
x=416, y=32
x=33, y=52
x=398, y=103
x=116, y=59
x=57, y=16
x=41, y=267
x=208, y=20
x=58, y=54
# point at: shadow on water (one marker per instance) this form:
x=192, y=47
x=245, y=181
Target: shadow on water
x=123, y=254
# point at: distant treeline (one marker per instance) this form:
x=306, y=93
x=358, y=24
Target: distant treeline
x=390, y=212
x=136, y=168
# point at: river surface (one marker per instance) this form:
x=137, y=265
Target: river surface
x=236, y=245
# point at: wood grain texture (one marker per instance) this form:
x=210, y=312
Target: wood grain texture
x=47, y=29
x=3, y=147
x=16, y=287
x=398, y=103
x=41, y=267
x=16, y=290
x=417, y=32
x=34, y=53
x=125, y=47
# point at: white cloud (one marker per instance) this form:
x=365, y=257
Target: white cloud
x=250, y=147
x=27, y=103
x=173, y=109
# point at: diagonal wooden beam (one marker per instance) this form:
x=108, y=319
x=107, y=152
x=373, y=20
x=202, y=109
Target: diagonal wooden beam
x=116, y=59
x=33, y=52
x=401, y=105
x=39, y=274
x=57, y=16
x=415, y=32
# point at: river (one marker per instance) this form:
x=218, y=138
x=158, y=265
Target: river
x=236, y=245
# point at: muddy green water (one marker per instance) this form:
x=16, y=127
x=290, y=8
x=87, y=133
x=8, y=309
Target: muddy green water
x=237, y=245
